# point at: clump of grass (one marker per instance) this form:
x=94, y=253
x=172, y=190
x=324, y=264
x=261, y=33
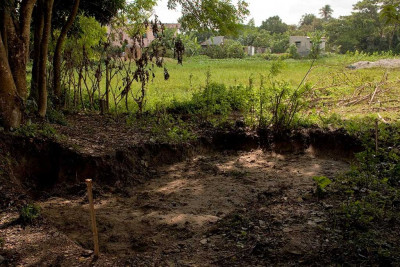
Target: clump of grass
x=37, y=130
x=56, y=116
x=29, y=214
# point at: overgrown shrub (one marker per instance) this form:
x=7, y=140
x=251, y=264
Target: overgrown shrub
x=56, y=116
x=230, y=49
x=234, y=49
x=239, y=98
x=37, y=130
x=213, y=100
x=273, y=57
x=280, y=43
x=370, y=195
x=214, y=51
x=29, y=214
x=292, y=51
x=284, y=104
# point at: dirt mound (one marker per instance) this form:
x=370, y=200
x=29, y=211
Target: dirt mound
x=382, y=63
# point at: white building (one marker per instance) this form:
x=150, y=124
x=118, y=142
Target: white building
x=304, y=44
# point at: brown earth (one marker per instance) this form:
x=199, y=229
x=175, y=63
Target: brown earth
x=170, y=220
x=382, y=63
x=250, y=207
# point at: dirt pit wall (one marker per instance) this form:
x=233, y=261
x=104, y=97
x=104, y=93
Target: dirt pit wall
x=47, y=165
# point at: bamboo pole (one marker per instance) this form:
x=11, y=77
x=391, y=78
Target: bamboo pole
x=93, y=217
x=376, y=135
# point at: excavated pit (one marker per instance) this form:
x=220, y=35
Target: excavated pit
x=160, y=204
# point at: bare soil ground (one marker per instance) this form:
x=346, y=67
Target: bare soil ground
x=233, y=208
x=97, y=135
x=382, y=63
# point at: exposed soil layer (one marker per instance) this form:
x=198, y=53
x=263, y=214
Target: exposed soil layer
x=229, y=198
x=112, y=154
x=186, y=213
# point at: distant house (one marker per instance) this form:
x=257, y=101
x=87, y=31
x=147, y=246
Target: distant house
x=217, y=40
x=123, y=38
x=304, y=44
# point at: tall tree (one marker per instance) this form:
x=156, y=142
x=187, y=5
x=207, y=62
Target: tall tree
x=47, y=8
x=364, y=29
x=58, y=50
x=274, y=25
x=37, y=39
x=218, y=16
x=14, y=48
x=307, y=19
x=326, y=12
x=66, y=11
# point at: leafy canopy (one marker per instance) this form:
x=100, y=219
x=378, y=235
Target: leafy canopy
x=217, y=16
x=274, y=25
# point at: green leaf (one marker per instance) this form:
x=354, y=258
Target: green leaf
x=322, y=181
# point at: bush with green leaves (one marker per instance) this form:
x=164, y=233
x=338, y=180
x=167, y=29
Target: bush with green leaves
x=214, y=51
x=37, y=130
x=274, y=57
x=280, y=43
x=239, y=98
x=56, y=116
x=29, y=214
x=234, y=49
x=213, y=100
x=292, y=51
x=321, y=184
x=284, y=104
x=230, y=49
x=370, y=197
x=192, y=46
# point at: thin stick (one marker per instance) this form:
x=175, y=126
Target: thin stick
x=376, y=135
x=93, y=218
x=373, y=95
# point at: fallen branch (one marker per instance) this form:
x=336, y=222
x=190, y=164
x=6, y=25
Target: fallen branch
x=381, y=118
x=373, y=95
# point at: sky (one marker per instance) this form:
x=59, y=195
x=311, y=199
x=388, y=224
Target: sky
x=290, y=11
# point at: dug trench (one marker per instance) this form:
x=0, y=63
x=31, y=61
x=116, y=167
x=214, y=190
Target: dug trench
x=233, y=199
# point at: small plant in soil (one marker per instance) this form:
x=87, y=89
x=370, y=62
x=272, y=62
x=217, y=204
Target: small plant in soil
x=322, y=182
x=29, y=214
x=37, y=130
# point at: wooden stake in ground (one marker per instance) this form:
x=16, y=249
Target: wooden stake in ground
x=376, y=135
x=93, y=217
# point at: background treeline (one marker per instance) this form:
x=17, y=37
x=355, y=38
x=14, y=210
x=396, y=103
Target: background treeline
x=368, y=29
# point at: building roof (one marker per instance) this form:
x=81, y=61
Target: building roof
x=217, y=40
x=303, y=37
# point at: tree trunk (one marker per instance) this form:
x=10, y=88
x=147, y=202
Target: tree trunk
x=3, y=30
x=18, y=36
x=39, y=24
x=44, y=45
x=14, y=48
x=58, y=50
x=107, y=85
x=10, y=102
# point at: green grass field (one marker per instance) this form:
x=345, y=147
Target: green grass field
x=330, y=79
x=334, y=87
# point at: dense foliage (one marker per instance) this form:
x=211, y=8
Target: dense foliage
x=211, y=15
